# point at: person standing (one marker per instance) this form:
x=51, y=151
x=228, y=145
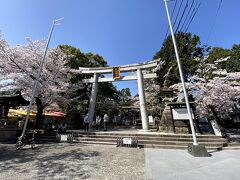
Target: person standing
x=98, y=122
x=157, y=122
x=64, y=127
x=86, y=122
x=105, y=121
x=115, y=121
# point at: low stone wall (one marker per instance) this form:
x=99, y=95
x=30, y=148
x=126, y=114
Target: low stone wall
x=166, y=123
x=180, y=130
x=8, y=130
x=8, y=134
x=74, y=120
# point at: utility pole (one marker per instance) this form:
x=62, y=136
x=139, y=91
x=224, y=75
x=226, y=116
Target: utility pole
x=195, y=143
x=55, y=22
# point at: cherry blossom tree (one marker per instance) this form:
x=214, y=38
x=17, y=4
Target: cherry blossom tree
x=135, y=100
x=216, y=91
x=217, y=99
x=152, y=92
x=21, y=64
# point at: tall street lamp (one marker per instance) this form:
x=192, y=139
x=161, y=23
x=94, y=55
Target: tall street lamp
x=195, y=149
x=55, y=22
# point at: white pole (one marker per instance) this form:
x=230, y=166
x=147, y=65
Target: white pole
x=37, y=79
x=142, y=101
x=182, y=78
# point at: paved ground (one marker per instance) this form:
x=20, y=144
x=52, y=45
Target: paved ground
x=178, y=164
x=77, y=161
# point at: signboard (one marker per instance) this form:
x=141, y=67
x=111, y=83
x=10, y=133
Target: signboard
x=181, y=113
x=64, y=137
x=216, y=128
x=150, y=119
x=116, y=72
x=127, y=141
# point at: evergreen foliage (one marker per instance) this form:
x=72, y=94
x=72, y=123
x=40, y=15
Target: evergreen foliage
x=189, y=49
x=79, y=59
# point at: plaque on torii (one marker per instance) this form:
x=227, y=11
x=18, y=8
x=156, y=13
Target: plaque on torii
x=116, y=72
x=116, y=76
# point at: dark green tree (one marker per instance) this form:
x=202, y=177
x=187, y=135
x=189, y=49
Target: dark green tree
x=190, y=50
x=231, y=56
x=78, y=59
x=217, y=53
x=108, y=99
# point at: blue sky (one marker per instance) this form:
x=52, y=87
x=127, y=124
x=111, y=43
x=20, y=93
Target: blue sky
x=122, y=31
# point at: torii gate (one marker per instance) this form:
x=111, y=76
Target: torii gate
x=116, y=77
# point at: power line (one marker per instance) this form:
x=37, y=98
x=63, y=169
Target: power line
x=177, y=13
x=189, y=11
x=187, y=14
x=183, y=13
x=190, y=16
x=214, y=21
x=175, y=4
x=193, y=16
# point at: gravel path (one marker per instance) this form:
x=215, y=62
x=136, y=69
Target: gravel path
x=72, y=161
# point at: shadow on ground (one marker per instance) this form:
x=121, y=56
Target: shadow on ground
x=52, y=161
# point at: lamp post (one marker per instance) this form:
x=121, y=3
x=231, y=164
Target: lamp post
x=55, y=22
x=181, y=76
x=195, y=149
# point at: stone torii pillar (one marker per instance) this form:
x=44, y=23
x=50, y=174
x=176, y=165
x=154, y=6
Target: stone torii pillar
x=142, y=101
x=92, y=102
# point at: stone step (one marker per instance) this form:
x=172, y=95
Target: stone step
x=105, y=140
x=50, y=138
x=165, y=146
x=94, y=142
x=144, y=134
x=139, y=137
x=156, y=138
x=143, y=142
x=231, y=148
x=234, y=144
x=142, y=137
x=151, y=145
x=45, y=138
x=178, y=147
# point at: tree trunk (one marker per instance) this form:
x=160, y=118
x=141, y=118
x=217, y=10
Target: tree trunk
x=39, y=115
